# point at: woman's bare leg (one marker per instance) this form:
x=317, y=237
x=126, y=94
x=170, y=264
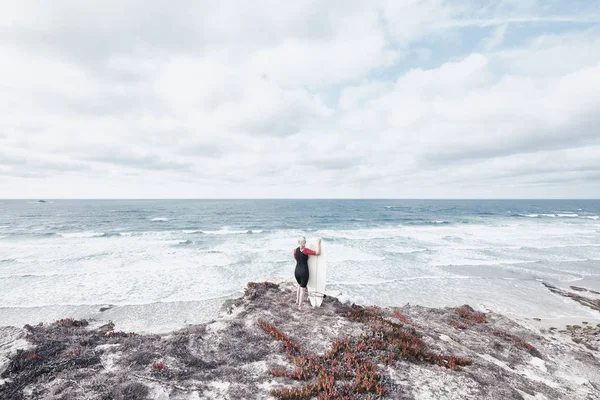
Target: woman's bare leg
x=303, y=291
x=298, y=291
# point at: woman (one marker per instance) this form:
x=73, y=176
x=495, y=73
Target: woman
x=301, y=273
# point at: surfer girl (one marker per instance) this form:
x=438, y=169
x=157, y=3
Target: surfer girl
x=301, y=254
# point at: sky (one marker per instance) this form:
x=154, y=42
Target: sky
x=300, y=99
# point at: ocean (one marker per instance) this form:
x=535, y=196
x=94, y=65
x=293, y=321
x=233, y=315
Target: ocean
x=163, y=263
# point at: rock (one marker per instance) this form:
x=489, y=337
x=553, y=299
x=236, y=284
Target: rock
x=579, y=289
x=594, y=304
x=408, y=352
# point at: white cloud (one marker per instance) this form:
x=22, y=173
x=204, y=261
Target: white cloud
x=393, y=98
x=357, y=46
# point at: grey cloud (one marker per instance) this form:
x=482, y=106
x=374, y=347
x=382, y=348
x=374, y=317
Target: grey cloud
x=533, y=175
x=286, y=126
x=41, y=166
x=294, y=119
x=371, y=178
x=235, y=179
x=20, y=173
x=206, y=150
x=538, y=171
x=333, y=162
x=94, y=38
x=581, y=132
x=131, y=160
x=111, y=105
x=580, y=177
x=90, y=33
x=270, y=171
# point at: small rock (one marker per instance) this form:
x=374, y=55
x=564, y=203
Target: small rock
x=537, y=319
x=576, y=327
x=584, y=322
x=579, y=289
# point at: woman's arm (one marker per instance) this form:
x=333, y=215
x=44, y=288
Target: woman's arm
x=310, y=252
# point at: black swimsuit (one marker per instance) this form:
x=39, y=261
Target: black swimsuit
x=301, y=271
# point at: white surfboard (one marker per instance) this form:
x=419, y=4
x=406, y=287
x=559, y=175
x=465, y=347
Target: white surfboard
x=317, y=273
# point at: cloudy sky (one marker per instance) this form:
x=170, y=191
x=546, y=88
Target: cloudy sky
x=398, y=98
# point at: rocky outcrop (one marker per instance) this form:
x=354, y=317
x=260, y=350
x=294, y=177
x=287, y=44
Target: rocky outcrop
x=262, y=346
x=594, y=304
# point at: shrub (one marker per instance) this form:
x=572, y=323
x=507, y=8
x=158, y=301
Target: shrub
x=519, y=342
x=159, y=366
x=349, y=367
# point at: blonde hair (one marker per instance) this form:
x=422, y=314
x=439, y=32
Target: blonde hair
x=301, y=239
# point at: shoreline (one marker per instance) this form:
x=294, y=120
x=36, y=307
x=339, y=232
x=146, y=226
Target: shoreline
x=165, y=317
x=229, y=356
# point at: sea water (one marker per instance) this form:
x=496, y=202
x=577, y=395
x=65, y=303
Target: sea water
x=163, y=263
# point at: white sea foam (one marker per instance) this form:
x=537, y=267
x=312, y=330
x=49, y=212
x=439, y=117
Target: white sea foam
x=380, y=265
x=364, y=234
x=224, y=231
x=403, y=250
x=159, y=219
x=337, y=253
x=370, y=282
x=81, y=234
x=557, y=215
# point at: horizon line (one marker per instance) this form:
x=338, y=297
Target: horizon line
x=292, y=198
